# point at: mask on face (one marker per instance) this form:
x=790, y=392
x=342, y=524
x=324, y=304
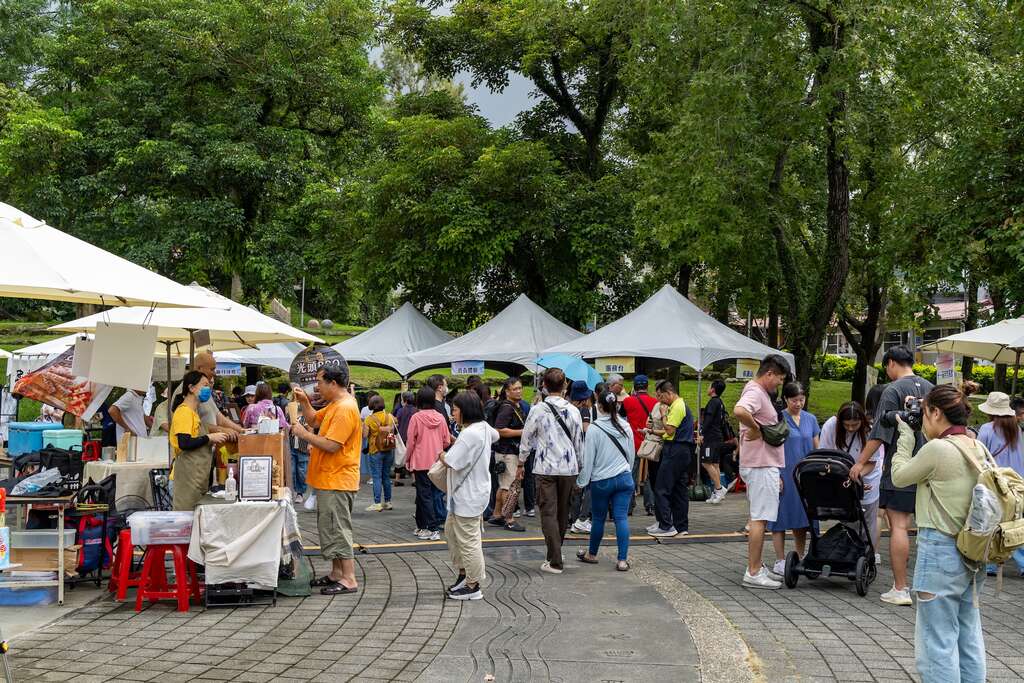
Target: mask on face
x=205, y=394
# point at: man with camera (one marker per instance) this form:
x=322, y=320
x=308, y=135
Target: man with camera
x=902, y=395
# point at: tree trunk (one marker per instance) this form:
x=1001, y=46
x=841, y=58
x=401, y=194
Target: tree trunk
x=773, y=323
x=236, y=286
x=720, y=311
x=865, y=337
x=999, y=380
x=970, y=323
x=683, y=279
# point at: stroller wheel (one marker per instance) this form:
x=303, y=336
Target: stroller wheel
x=861, y=581
x=789, y=573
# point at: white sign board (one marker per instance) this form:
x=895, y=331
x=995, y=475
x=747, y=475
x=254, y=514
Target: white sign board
x=160, y=368
x=945, y=368
x=229, y=369
x=746, y=368
x=83, y=357
x=468, y=367
x=123, y=355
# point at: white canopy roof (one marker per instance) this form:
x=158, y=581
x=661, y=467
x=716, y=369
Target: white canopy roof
x=278, y=356
x=41, y=262
x=670, y=327
x=516, y=336
x=36, y=356
x=998, y=342
x=235, y=328
x=389, y=343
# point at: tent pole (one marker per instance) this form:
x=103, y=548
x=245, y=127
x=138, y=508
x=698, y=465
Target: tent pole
x=191, y=349
x=170, y=451
x=1016, y=369
x=696, y=431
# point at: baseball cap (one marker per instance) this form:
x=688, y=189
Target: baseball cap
x=640, y=381
x=250, y=390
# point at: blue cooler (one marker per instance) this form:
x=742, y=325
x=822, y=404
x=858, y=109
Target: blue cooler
x=26, y=437
x=63, y=438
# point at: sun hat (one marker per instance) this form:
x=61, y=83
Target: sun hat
x=580, y=391
x=997, y=404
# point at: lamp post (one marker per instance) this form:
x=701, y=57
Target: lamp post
x=302, y=301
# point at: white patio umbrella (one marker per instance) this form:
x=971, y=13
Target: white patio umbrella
x=1000, y=342
x=41, y=262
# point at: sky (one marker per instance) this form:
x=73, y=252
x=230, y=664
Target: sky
x=499, y=108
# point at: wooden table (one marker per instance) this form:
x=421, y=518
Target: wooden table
x=61, y=504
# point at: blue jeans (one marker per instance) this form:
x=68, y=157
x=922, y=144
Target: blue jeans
x=618, y=490
x=381, y=465
x=440, y=506
x=948, y=644
x=300, y=462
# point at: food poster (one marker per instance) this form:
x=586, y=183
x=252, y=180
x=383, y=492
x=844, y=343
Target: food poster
x=56, y=385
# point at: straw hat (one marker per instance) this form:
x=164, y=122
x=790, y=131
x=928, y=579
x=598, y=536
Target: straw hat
x=998, y=404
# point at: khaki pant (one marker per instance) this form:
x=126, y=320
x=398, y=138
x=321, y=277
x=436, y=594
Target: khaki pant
x=334, y=522
x=465, y=546
x=553, y=495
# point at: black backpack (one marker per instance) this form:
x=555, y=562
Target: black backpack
x=491, y=411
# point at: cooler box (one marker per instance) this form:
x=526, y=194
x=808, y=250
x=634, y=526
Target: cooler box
x=160, y=528
x=40, y=538
x=63, y=438
x=26, y=437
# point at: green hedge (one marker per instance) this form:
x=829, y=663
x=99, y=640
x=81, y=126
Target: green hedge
x=841, y=369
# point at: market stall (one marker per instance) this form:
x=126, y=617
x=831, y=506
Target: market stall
x=1001, y=342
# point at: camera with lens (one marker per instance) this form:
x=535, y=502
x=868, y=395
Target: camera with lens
x=911, y=414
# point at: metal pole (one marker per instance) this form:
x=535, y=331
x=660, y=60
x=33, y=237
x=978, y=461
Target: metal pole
x=302, y=304
x=191, y=350
x=1016, y=369
x=696, y=431
x=170, y=451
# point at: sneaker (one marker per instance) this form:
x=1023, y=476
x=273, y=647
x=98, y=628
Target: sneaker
x=664, y=533
x=434, y=536
x=580, y=527
x=459, y=583
x=779, y=567
x=760, y=580
x=517, y=514
x=515, y=526
x=417, y=532
x=652, y=528
x=684, y=532
x=775, y=573
x=718, y=496
x=546, y=567
x=376, y=507
x=531, y=513
x=878, y=560
x=898, y=597
x=388, y=506
x=298, y=499
x=467, y=593
x=496, y=521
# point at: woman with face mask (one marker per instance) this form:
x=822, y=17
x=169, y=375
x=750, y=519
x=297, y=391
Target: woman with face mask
x=193, y=456
x=948, y=643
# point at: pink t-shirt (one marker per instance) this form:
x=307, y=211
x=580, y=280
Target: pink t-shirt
x=758, y=453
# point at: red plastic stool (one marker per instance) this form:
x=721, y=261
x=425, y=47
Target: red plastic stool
x=121, y=575
x=153, y=584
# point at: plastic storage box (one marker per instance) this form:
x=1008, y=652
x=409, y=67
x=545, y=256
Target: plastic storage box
x=26, y=437
x=62, y=438
x=40, y=538
x=158, y=528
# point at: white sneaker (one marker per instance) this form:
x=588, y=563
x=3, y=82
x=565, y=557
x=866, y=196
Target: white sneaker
x=434, y=536
x=898, y=597
x=760, y=580
x=664, y=533
x=719, y=495
x=878, y=560
x=417, y=532
x=774, y=572
x=546, y=567
x=581, y=527
x=779, y=567
x=297, y=500
x=376, y=507
x=683, y=533
x=428, y=535
x=652, y=528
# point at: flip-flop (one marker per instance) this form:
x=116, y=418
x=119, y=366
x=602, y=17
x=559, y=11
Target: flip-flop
x=582, y=557
x=338, y=589
x=324, y=580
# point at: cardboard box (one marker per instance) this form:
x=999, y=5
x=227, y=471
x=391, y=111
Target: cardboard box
x=274, y=445
x=45, y=559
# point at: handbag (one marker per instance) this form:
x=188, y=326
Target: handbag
x=776, y=434
x=400, y=451
x=698, y=492
x=438, y=475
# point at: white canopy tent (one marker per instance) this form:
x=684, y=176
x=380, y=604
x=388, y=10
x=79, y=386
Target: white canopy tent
x=668, y=327
x=389, y=343
x=278, y=356
x=513, y=338
x=231, y=325
x=1001, y=342
x=41, y=262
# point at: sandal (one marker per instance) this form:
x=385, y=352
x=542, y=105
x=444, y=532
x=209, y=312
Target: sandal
x=338, y=589
x=323, y=581
x=582, y=556
x=622, y=566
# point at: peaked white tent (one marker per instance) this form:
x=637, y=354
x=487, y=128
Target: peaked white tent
x=41, y=262
x=1001, y=342
x=278, y=356
x=389, y=343
x=513, y=338
x=668, y=327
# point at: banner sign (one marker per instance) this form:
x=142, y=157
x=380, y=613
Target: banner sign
x=468, y=367
x=746, y=368
x=307, y=364
x=229, y=369
x=615, y=364
x=55, y=385
x=945, y=368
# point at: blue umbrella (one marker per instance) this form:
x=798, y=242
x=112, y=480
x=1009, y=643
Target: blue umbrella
x=574, y=368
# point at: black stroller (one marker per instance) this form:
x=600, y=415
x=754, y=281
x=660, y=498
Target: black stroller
x=823, y=481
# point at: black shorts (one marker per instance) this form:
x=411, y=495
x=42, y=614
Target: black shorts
x=713, y=453
x=897, y=500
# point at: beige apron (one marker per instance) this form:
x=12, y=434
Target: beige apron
x=192, y=475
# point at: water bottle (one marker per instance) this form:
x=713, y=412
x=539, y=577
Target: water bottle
x=230, y=485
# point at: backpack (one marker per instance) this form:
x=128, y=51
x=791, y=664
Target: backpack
x=384, y=441
x=491, y=411
x=994, y=527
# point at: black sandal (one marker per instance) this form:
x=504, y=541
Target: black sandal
x=323, y=581
x=582, y=557
x=338, y=589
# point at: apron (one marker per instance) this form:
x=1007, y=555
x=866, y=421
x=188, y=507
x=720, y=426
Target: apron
x=192, y=475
